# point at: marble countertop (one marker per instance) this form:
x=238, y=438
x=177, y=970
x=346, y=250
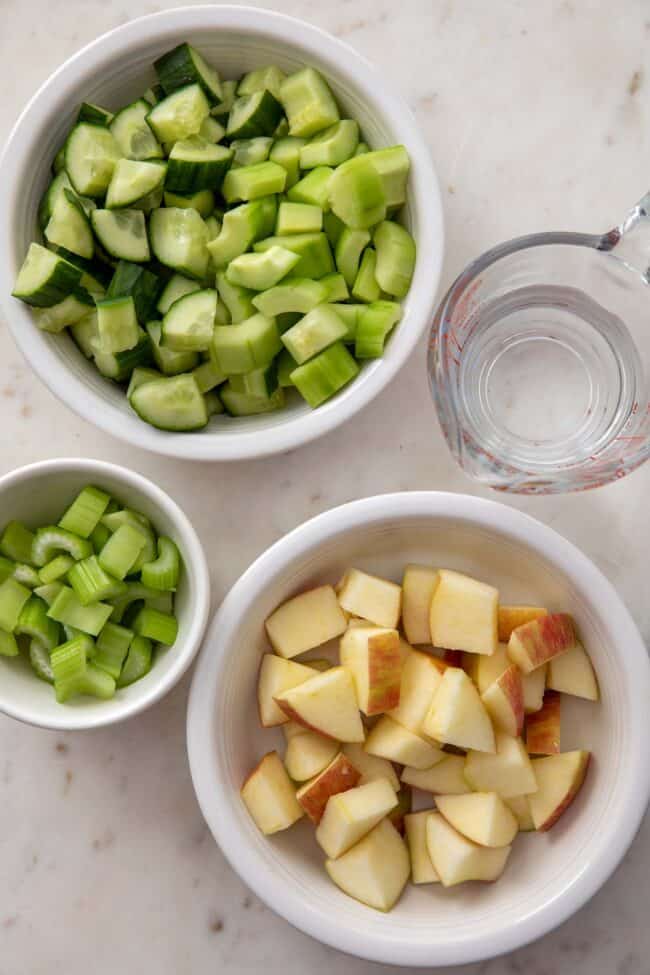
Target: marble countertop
x=537, y=117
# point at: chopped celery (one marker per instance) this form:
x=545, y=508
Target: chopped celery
x=121, y=551
x=16, y=542
x=13, y=597
x=55, y=569
x=91, y=583
x=85, y=512
x=39, y=658
x=156, y=626
x=137, y=663
x=163, y=573
x=100, y=536
x=49, y=591
x=8, y=645
x=136, y=520
x=51, y=540
x=6, y=568
x=67, y=608
x=34, y=622
x=26, y=575
x=68, y=662
x=111, y=648
x=136, y=592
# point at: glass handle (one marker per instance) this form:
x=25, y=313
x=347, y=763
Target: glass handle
x=630, y=241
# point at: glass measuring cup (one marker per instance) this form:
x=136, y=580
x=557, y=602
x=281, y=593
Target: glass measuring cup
x=539, y=359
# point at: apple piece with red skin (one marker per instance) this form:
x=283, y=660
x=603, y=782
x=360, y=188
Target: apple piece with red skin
x=372, y=655
x=339, y=776
x=559, y=780
x=483, y=669
x=504, y=702
x=535, y=643
x=519, y=806
x=543, y=727
x=270, y=797
x=326, y=703
x=510, y=617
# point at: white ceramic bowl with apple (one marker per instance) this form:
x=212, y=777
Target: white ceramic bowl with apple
x=549, y=875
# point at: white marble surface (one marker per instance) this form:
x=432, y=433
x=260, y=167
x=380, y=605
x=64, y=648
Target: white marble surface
x=536, y=115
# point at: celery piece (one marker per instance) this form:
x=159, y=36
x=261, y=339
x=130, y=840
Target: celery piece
x=100, y=536
x=39, y=658
x=163, y=573
x=69, y=662
x=8, y=645
x=91, y=583
x=98, y=683
x=26, y=575
x=6, y=568
x=16, y=542
x=85, y=512
x=67, y=609
x=13, y=597
x=121, y=551
x=128, y=517
x=156, y=626
x=136, y=592
x=111, y=648
x=55, y=569
x=51, y=540
x=49, y=592
x=34, y=621
x=137, y=663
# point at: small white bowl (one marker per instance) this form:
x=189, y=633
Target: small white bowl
x=37, y=494
x=114, y=70
x=549, y=876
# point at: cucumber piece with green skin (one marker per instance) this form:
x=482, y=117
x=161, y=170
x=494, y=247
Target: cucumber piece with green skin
x=91, y=154
x=222, y=108
x=258, y=272
x=375, y=322
x=120, y=366
x=241, y=227
x=313, y=188
x=154, y=94
x=179, y=240
x=243, y=404
x=117, y=325
x=308, y=103
x=176, y=287
x=68, y=226
x=315, y=255
x=325, y=374
x=45, y=278
x=85, y=334
x=122, y=233
x=319, y=329
x=100, y=268
x=185, y=66
x=208, y=376
x=349, y=249
x=395, y=258
x=251, y=151
x=140, y=284
x=195, y=164
x=179, y=115
x=356, y=193
x=286, y=364
x=332, y=146
x=202, y=201
x=254, y=115
x=94, y=114
x=59, y=161
x=172, y=403
x=285, y=152
x=189, y=323
x=133, y=135
x=366, y=287
x=268, y=78
x=252, y=182
x=297, y=295
x=139, y=377
x=238, y=349
x=349, y=314
x=298, y=218
x=261, y=382
x=238, y=300
x=392, y=166
x=211, y=130
x=50, y=196
x=132, y=182
x=169, y=362
x=67, y=312
x=337, y=289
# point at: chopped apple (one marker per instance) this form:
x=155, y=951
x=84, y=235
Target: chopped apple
x=326, y=703
x=421, y=675
x=457, y=859
x=308, y=754
x=510, y=617
x=457, y=715
x=291, y=729
x=422, y=869
x=339, y=776
x=370, y=766
x=277, y=675
x=482, y=817
x=318, y=663
x=572, y=673
x=543, y=728
x=520, y=807
x=418, y=586
x=370, y=597
x=305, y=621
x=270, y=797
x=533, y=685
x=508, y=772
x=485, y=670
x=390, y=740
x=534, y=644
x=350, y=815
x=372, y=655
x=404, y=806
x=559, y=778
x=376, y=870
x=445, y=778
x=504, y=702
x=464, y=614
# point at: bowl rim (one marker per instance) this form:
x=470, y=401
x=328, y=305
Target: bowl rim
x=513, y=525
x=193, y=553
x=39, y=349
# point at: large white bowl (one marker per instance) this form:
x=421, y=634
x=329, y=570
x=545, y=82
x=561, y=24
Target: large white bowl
x=115, y=69
x=37, y=494
x=549, y=876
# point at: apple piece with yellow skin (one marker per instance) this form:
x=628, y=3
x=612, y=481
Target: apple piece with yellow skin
x=520, y=808
x=457, y=859
x=559, y=779
x=534, y=685
x=388, y=739
x=457, y=715
x=543, y=727
x=510, y=617
x=305, y=621
x=350, y=815
x=339, y=776
x=277, y=675
x=485, y=670
x=371, y=598
x=504, y=702
x=418, y=587
x=308, y=754
x=375, y=870
x=270, y=797
x=464, y=614
x=422, y=869
x=326, y=703
x=509, y=772
x=482, y=817
x=370, y=766
x=572, y=673
x=445, y=778
x=372, y=655
x=421, y=676
x=535, y=643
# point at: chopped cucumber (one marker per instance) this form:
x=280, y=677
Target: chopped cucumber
x=174, y=403
x=286, y=365
x=261, y=271
x=91, y=154
x=117, y=325
x=222, y=108
x=68, y=226
x=133, y=135
x=195, y=164
x=333, y=227
x=392, y=166
x=356, y=193
x=132, y=280
x=241, y=227
x=179, y=240
x=298, y=218
x=176, y=287
x=315, y=255
x=308, y=103
x=243, y=404
x=313, y=188
x=238, y=300
x=349, y=248
x=207, y=376
x=260, y=382
x=139, y=377
x=365, y=287
x=268, y=78
x=132, y=182
x=325, y=374
x=332, y=146
x=179, y=115
x=286, y=152
x=254, y=115
x=395, y=258
x=169, y=362
x=123, y=233
x=296, y=295
x=94, y=114
x=189, y=323
x=319, y=329
x=86, y=334
x=251, y=151
x=211, y=130
x=202, y=201
x=45, y=278
x=337, y=289
x=67, y=312
x=120, y=365
x=374, y=323
x=185, y=66
x=238, y=349
x=252, y=182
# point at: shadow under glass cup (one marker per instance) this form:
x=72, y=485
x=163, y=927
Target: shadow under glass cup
x=539, y=359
